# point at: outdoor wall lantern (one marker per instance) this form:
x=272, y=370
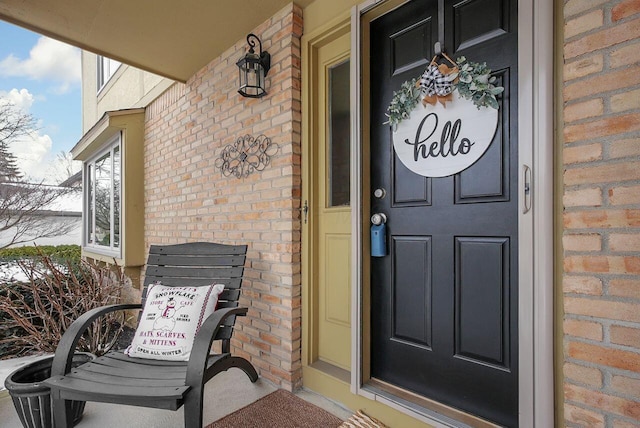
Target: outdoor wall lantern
x=253, y=68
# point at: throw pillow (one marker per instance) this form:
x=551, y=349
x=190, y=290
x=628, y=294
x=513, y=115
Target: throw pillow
x=171, y=319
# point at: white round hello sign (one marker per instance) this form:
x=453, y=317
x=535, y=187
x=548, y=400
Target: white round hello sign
x=438, y=141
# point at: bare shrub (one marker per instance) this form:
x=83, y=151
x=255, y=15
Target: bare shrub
x=36, y=313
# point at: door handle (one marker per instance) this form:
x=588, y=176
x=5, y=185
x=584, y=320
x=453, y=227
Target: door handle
x=526, y=182
x=305, y=211
x=378, y=218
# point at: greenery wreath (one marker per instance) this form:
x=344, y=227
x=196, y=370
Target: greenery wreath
x=472, y=80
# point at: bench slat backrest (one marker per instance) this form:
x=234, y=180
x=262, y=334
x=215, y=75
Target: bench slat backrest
x=196, y=264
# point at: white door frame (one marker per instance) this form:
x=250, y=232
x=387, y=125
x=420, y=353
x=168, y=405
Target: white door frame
x=535, y=138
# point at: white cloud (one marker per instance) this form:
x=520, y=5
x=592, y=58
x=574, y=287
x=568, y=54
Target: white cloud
x=37, y=162
x=48, y=60
x=31, y=154
x=33, y=151
x=23, y=99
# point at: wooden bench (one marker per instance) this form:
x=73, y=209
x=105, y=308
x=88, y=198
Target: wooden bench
x=118, y=378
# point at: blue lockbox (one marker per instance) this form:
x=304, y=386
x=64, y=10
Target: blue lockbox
x=378, y=240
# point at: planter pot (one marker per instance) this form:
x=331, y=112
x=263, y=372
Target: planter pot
x=32, y=399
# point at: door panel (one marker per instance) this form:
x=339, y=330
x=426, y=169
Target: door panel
x=330, y=205
x=470, y=30
x=403, y=59
x=334, y=335
x=494, y=166
x=444, y=301
x=482, y=315
x=412, y=290
x=409, y=189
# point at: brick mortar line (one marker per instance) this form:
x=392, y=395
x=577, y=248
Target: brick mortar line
x=599, y=6
x=607, y=110
x=606, y=389
x=606, y=53
x=605, y=322
x=603, y=412
x=606, y=69
x=633, y=134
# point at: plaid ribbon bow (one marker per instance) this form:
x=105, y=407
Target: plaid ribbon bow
x=434, y=82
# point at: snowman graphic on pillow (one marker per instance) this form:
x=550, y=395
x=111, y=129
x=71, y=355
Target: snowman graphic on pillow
x=167, y=319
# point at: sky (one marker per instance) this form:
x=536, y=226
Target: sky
x=42, y=77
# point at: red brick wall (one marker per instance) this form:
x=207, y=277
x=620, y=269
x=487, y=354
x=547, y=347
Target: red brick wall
x=601, y=235
x=188, y=199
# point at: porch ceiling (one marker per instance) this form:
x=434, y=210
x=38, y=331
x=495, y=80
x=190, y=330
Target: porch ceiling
x=171, y=38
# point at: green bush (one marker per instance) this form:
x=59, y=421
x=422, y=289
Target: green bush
x=69, y=253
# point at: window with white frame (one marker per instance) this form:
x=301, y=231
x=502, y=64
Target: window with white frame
x=106, y=68
x=102, y=195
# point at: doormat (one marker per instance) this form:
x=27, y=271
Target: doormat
x=362, y=420
x=279, y=409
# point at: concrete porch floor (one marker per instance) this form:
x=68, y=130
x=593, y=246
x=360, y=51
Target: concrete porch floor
x=224, y=394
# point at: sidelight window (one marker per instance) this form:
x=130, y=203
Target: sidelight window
x=339, y=136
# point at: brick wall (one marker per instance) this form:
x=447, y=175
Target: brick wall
x=601, y=235
x=188, y=199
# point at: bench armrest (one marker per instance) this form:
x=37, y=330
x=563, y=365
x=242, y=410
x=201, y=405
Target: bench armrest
x=67, y=346
x=203, y=341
